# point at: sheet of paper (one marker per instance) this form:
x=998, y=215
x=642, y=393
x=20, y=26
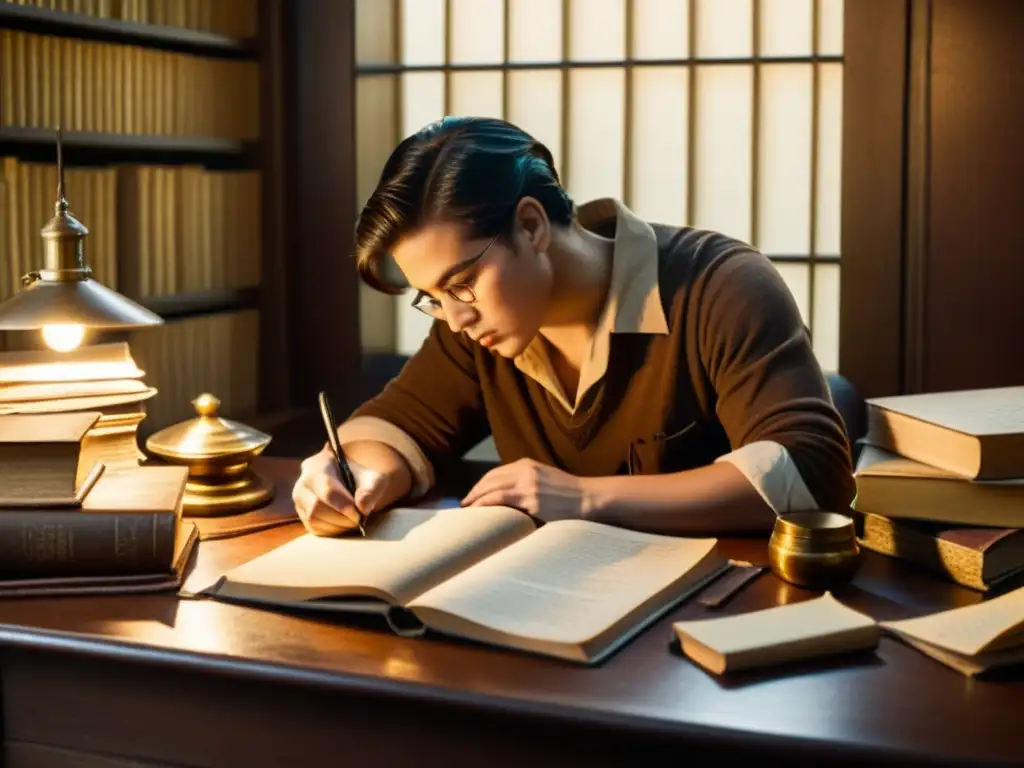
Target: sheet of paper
x=968, y=630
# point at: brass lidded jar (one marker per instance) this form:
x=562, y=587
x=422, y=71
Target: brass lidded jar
x=816, y=550
x=218, y=453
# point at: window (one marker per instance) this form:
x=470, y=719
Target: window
x=724, y=114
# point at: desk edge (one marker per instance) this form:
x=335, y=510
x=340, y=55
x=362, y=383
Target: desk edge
x=94, y=646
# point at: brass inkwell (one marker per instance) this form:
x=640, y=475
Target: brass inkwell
x=217, y=452
x=816, y=550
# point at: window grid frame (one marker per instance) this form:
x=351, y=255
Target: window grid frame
x=379, y=69
x=812, y=245
x=629, y=64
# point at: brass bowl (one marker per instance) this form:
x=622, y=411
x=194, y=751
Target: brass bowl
x=816, y=550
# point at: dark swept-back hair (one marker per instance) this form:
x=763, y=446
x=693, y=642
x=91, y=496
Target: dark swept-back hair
x=470, y=171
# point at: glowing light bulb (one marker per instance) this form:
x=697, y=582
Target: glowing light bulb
x=63, y=337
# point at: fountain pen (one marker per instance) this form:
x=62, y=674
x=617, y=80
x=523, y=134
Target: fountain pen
x=347, y=478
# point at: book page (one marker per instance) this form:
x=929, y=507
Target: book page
x=406, y=551
x=782, y=625
x=969, y=665
x=973, y=629
x=567, y=583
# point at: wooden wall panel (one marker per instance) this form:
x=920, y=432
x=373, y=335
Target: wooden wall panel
x=323, y=296
x=932, y=243
x=974, y=276
x=874, y=94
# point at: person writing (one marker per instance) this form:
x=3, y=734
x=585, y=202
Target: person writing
x=652, y=377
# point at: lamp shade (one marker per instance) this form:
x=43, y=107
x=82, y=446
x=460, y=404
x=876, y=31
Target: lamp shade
x=63, y=293
x=72, y=302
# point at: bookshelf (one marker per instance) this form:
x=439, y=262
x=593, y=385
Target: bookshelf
x=28, y=18
x=175, y=105
x=276, y=340
x=88, y=148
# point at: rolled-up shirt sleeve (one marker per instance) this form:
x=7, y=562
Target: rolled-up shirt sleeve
x=771, y=396
x=431, y=412
x=768, y=466
x=382, y=431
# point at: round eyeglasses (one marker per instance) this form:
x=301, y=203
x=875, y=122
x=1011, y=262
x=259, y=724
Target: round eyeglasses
x=460, y=292
x=428, y=305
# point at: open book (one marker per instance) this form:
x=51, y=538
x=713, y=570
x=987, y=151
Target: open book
x=821, y=626
x=972, y=639
x=571, y=589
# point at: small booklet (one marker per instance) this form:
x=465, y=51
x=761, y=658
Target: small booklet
x=818, y=627
x=973, y=639
x=571, y=589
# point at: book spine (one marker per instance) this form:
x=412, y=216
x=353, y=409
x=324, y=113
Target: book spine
x=62, y=543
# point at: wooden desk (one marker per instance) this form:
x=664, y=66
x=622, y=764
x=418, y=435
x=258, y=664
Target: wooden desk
x=99, y=682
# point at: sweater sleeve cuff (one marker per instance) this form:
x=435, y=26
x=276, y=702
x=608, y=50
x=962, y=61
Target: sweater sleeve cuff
x=770, y=469
x=373, y=428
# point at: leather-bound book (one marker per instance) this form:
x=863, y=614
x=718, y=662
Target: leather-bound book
x=976, y=557
x=166, y=580
x=127, y=524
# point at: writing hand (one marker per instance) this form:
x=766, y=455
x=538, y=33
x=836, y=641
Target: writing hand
x=321, y=501
x=537, y=489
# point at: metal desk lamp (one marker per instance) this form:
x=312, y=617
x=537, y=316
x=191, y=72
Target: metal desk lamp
x=62, y=299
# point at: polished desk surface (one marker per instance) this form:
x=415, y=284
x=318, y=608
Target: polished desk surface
x=891, y=702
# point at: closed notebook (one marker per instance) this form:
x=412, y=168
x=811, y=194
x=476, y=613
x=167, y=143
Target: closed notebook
x=571, y=589
x=972, y=639
x=821, y=626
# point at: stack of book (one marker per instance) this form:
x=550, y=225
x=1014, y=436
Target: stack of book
x=111, y=531
x=102, y=378
x=940, y=481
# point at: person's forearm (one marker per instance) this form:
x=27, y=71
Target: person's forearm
x=709, y=500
